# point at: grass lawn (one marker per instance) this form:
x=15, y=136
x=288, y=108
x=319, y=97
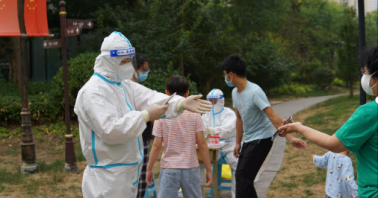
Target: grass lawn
x=298, y=177
x=50, y=181
x=313, y=93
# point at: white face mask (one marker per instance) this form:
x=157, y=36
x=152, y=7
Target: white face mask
x=125, y=71
x=365, y=84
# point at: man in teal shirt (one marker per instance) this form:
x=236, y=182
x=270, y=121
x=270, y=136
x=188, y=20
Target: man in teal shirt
x=359, y=134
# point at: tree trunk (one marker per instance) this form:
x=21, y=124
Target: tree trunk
x=181, y=63
x=15, y=62
x=351, y=88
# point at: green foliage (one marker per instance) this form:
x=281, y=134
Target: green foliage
x=80, y=69
x=306, y=71
x=371, y=21
x=157, y=79
x=348, y=68
x=322, y=77
x=266, y=66
x=291, y=89
x=338, y=82
x=42, y=108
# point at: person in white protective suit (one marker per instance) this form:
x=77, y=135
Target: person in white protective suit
x=221, y=120
x=112, y=116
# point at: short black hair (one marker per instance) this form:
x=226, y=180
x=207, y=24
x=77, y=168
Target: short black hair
x=234, y=63
x=140, y=59
x=371, y=57
x=177, y=84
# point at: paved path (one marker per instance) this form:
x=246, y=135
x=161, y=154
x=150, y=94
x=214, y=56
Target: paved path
x=273, y=162
x=274, y=159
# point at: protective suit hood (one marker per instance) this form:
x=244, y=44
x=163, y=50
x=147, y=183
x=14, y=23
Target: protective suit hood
x=106, y=65
x=218, y=95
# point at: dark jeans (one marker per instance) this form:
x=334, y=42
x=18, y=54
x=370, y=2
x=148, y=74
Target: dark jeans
x=251, y=158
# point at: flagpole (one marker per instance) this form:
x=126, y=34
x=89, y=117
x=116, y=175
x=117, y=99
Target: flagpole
x=70, y=162
x=27, y=143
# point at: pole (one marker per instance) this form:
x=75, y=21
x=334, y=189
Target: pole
x=27, y=143
x=70, y=164
x=362, y=44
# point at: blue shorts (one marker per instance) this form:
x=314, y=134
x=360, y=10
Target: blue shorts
x=171, y=180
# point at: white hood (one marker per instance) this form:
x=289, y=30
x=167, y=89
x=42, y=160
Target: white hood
x=216, y=94
x=108, y=66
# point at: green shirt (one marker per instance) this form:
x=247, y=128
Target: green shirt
x=360, y=135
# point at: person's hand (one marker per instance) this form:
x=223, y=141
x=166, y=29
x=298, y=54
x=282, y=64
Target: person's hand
x=298, y=143
x=209, y=178
x=209, y=130
x=194, y=104
x=149, y=176
x=236, y=150
x=312, y=156
x=289, y=128
x=154, y=112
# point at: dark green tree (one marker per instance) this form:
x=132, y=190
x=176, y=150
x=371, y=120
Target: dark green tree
x=348, y=68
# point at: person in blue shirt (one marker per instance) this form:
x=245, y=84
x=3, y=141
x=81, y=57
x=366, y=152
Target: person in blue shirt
x=255, y=120
x=340, y=175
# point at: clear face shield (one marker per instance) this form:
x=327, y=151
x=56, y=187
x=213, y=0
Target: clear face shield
x=128, y=64
x=213, y=101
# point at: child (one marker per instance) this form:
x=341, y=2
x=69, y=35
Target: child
x=340, y=176
x=179, y=162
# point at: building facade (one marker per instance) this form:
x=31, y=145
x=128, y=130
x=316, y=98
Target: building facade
x=370, y=5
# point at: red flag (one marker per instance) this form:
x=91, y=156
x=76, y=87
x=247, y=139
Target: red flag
x=35, y=15
x=9, y=18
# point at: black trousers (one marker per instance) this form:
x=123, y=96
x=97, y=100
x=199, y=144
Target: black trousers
x=251, y=158
x=142, y=184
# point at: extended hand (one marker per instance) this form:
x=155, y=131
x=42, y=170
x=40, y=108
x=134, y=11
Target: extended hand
x=298, y=143
x=155, y=112
x=289, y=128
x=194, y=104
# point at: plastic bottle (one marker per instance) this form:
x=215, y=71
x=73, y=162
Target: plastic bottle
x=211, y=140
x=217, y=139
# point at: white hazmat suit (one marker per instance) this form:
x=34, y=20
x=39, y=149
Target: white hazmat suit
x=111, y=123
x=222, y=120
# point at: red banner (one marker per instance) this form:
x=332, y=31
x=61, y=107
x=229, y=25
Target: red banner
x=35, y=15
x=9, y=26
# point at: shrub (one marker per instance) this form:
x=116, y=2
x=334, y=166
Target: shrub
x=42, y=109
x=266, y=66
x=290, y=89
x=338, y=82
x=306, y=71
x=322, y=77
x=80, y=69
x=157, y=79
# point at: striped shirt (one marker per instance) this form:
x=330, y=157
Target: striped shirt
x=179, y=138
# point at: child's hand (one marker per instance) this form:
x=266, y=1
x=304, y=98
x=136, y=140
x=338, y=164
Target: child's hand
x=312, y=157
x=209, y=179
x=149, y=176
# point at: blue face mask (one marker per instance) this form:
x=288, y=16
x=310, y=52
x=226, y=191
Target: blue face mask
x=229, y=83
x=142, y=76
